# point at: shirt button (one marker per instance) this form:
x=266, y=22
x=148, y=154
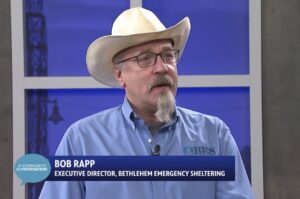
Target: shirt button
x=149, y=140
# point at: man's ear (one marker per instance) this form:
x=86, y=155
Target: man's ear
x=118, y=75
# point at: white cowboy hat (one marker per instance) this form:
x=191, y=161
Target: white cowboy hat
x=132, y=27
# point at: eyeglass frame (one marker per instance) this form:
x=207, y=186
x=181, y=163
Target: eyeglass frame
x=135, y=58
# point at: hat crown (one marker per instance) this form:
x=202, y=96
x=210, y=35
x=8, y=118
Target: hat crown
x=136, y=21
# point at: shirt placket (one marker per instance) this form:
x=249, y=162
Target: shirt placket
x=160, y=138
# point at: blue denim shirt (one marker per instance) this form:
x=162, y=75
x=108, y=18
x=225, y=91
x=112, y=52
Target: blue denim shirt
x=118, y=131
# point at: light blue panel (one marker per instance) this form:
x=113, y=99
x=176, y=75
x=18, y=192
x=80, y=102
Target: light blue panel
x=219, y=39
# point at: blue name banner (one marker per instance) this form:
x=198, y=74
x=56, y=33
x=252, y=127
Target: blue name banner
x=142, y=168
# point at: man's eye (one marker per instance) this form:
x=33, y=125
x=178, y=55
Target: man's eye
x=168, y=54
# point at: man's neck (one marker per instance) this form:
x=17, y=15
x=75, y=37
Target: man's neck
x=147, y=115
x=149, y=118
x=151, y=122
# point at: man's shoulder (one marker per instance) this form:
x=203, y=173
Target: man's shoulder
x=89, y=131
x=195, y=114
x=102, y=117
x=198, y=118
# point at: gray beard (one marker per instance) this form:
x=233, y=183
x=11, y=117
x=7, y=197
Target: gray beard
x=165, y=107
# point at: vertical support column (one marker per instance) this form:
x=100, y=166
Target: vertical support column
x=256, y=97
x=17, y=32
x=136, y=3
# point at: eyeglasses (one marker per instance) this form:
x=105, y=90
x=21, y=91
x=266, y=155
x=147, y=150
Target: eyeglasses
x=145, y=60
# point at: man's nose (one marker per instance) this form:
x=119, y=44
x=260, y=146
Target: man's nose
x=160, y=66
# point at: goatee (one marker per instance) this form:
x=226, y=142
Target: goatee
x=165, y=107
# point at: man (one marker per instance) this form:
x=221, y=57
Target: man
x=141, y=56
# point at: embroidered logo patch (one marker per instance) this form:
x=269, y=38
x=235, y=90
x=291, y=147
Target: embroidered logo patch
x=199, y=150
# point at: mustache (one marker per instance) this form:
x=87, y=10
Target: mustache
x=161, y=81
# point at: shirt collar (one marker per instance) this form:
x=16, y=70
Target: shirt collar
x=127, y=110
x=129, y=113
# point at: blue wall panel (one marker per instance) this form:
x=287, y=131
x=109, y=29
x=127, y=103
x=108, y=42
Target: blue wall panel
x=71, y=25
x=230, y=104
x=219, y=39
x=218, y=44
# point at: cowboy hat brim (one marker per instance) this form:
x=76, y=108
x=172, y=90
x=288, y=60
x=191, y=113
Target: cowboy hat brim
x=100, y=53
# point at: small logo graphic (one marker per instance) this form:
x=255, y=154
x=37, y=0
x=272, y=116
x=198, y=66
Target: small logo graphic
x=199, y=150
x=32, y=168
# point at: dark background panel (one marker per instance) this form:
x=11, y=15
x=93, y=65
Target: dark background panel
x=6, y=157
x=281, y=97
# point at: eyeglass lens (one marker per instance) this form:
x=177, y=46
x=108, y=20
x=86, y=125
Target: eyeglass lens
x=149, y=59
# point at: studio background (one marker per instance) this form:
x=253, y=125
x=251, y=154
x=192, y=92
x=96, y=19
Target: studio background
x=281, y=86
